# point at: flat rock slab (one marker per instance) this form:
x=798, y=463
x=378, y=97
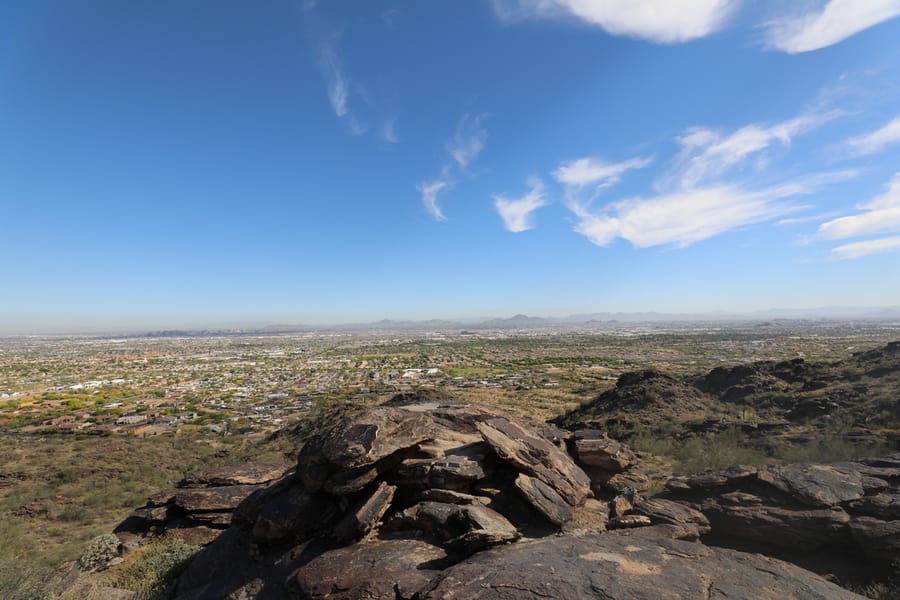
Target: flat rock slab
x=532, y=455
x=800, y=507
x=791, y=528
x=252, y=473
x=814, y=484
x=628, y=564
x=365, y=515
x=212, y=499
x=377, y=570
x=661, y=511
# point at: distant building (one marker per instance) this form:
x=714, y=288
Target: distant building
x=131, y=420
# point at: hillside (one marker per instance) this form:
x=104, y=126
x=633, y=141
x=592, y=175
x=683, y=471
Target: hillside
x=858, y=394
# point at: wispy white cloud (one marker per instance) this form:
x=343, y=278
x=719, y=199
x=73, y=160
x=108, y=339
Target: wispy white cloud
x=469, y=140
x=466, y=145
x=661, y=21
x=517, y=212
x=877, y=140
x=860, y=249
x=583, y=179
x=881, y=215
x=430, y=190
x=594, y=172
x=389, y=131
x=832, y=23
x=707, y=154
x=685, y=217
x=336, y=81
x=338, y=85
x=681, y=218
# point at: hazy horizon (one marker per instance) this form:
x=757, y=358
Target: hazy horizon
x=172, y=165
x=137, y=326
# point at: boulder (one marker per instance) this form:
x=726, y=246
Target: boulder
x=357, y=449
x=593, y=448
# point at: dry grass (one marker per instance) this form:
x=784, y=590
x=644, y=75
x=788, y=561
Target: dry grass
x=58, y=492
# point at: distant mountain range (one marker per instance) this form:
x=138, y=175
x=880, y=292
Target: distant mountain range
x=521, y=321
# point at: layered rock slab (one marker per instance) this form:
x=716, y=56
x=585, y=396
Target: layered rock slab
x=802, y=507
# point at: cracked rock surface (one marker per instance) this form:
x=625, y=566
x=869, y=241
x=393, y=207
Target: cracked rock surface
x=626, y=564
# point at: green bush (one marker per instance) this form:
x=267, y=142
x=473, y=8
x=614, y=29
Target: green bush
x=99, y=551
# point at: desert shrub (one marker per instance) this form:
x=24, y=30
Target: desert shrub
x=75, y=512
x=151, y=570
x=832, y=449
x=99, y=551
x=695, y=454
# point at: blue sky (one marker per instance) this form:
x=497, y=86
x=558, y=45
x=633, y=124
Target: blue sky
x=179, y=164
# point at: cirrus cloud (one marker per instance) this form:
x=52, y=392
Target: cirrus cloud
x=681, y=218
x=866, y=248
x=880, y=215
x=469, y=140
x=877, y=140
x=707, y=154
x=430, y=191
x=833, y=23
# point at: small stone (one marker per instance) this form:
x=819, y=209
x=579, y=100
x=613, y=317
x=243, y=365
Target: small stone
x=629, y=521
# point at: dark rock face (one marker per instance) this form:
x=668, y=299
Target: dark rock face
x=801, y=507
x=626, y=564
x=201, y=506
x=549, y=478
x=453, y=501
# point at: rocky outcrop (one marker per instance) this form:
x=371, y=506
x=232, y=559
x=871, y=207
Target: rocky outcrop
x=445, y=500
x=792, y=509
x=201, y=505
x=411, y=484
